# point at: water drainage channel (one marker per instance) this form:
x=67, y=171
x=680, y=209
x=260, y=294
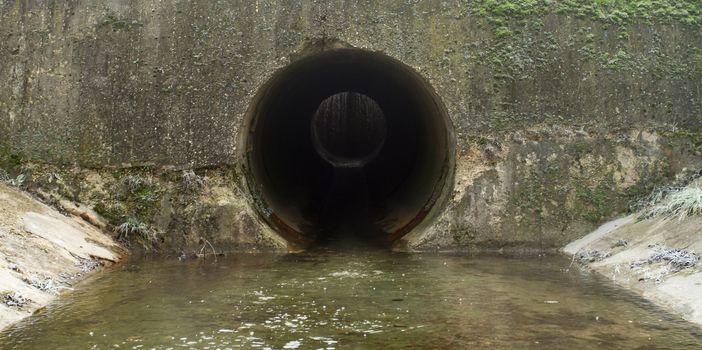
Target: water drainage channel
x=347, y=142
x=351, y=300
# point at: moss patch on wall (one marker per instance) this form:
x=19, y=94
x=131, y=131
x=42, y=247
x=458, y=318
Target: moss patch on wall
x=160, y=210
x=541, y=187
x=102, y=93
x=612, y=11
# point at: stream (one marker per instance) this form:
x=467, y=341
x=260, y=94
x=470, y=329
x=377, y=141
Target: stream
x=373, y=299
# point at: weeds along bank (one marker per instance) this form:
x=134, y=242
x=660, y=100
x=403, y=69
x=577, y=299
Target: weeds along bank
x=529, y=190
x=562, y=112
x=654, y=251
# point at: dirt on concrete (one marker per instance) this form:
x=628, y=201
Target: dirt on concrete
x=657, y=258
x=44, y=253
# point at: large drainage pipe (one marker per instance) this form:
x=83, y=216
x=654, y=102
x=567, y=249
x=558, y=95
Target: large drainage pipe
x=347, y=142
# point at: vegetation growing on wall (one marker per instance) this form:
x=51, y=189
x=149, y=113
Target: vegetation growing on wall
x=500, y=67
x=612, y=11
x=521, y=45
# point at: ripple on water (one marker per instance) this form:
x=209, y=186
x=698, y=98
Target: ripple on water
x=361, y=301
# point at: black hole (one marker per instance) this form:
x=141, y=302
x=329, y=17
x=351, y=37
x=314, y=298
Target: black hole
x=347, y=142
x=348, y=129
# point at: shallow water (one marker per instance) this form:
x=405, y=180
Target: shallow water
x=351, y=300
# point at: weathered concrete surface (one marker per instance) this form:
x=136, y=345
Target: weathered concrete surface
x=677, y=291
x=562, y=111
x=43, y=253
x=181, y=211
x=115, y=82
x=543, y=187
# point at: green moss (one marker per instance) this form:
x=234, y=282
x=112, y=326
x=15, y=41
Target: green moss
x=617, y=61
x=642, y=189
x=114, y=213
x=609, y=11
x=581, y=147
x=685, y=138
x=119, y=24
x=599, y=202
x=464, y=236
x=516, y=32
x=696, y=59
x=627, y=11
x=502, y=32
x=9, y=160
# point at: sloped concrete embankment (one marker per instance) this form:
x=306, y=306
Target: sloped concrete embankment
x=43, y=254
x=657, y=257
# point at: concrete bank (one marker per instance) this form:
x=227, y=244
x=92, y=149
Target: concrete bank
x=655, y=257
x=44, y=253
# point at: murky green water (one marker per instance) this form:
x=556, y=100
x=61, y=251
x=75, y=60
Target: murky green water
x=353, y=300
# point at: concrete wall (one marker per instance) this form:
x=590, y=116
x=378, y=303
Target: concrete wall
x=118, y=83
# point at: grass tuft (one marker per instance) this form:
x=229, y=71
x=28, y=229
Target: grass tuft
x=135, y=183
x=15, y=182
x=133, y=228
x=652, y=199
x=192, y=181
x=672, y=203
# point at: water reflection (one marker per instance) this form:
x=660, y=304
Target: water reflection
x=358, y=300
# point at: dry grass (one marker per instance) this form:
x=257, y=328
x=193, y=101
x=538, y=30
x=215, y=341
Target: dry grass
x=665, y=261
x=132, y=228
x=678, y=259
x=680, y=203
x=15, y=182
x=192, y=181
x=134, y=183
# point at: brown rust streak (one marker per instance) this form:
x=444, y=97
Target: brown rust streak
x=291, y=235
x=397, y=234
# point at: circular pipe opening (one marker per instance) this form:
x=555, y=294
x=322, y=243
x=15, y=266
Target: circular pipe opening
x=347, y=142
x=348, y=130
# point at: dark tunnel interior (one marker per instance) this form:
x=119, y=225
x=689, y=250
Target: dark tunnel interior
x=347, y=143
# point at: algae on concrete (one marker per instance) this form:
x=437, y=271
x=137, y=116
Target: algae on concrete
x=563, y=110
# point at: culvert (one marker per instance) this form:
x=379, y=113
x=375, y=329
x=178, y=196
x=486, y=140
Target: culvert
x=347, y=142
